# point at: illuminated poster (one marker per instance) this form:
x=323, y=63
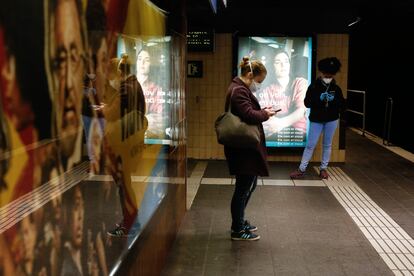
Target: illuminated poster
x=72, y=99
x=151, y=67
x=288, y=63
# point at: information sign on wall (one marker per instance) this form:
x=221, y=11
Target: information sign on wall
x=200, y=41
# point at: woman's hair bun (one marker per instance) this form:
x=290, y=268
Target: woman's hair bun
x=244, y=62
x=124, y=58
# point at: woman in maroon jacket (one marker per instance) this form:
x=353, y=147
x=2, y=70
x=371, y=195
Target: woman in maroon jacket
x=246, y=164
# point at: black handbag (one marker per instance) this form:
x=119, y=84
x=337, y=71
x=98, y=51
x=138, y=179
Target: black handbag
x=233, y=132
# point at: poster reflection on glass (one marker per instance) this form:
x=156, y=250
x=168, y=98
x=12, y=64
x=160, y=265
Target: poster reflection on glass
x=152, y=71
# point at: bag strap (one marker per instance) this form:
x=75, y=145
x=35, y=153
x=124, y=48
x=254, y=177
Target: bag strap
x=231, y=95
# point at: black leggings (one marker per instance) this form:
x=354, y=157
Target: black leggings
x=245, y=185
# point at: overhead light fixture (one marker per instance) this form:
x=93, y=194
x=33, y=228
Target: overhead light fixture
x=354, y=22
x=260, y=39
x=274, y=46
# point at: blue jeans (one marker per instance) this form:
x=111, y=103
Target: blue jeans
x=245, y=185
x=315, y=130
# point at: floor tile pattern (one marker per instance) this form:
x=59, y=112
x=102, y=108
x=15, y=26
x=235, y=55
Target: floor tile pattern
x=391, y=242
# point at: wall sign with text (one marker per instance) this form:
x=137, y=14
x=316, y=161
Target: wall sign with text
x=200, y=41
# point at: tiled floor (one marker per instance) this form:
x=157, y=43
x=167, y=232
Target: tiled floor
x=360, y=222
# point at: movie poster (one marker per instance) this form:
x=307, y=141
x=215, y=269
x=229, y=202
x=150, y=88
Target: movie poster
x=288, y=63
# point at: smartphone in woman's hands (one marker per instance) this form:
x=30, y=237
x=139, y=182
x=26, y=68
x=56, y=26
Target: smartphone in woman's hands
x=276, y=108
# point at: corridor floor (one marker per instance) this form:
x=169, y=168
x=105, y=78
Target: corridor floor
x=359, y=222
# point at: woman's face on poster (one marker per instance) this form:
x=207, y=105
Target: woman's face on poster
x=143, y=63
x=282, y=65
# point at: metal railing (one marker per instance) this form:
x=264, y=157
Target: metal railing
x=363, y=108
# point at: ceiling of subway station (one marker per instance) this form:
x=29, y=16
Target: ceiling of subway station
x=294, y=17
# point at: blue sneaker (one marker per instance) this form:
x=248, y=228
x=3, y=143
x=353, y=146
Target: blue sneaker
x=244, y=235
x=247, y=226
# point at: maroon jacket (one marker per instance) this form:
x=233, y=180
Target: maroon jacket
x=245, y=105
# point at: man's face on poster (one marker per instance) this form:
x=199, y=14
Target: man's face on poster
x=77, y=218
x=57, y=208
x=68, y=71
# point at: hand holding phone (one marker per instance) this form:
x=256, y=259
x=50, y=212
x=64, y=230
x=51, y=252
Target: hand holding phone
x=276, y=108
x=269, y=110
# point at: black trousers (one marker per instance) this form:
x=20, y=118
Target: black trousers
x=245, y=185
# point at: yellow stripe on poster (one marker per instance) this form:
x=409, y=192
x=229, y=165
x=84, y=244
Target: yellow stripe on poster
x=144, y=19
x=18, y=161
x=137, y=159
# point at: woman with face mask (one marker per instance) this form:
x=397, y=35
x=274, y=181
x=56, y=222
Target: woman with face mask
x=246, y=164
x=325, y=100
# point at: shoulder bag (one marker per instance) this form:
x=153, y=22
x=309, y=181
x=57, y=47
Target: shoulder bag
x=233, y=132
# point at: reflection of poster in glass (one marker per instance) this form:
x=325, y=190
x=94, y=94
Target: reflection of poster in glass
x=152, y=58
x=288, y=63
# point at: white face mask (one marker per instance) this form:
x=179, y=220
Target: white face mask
x=255, y=86
x=327, y=80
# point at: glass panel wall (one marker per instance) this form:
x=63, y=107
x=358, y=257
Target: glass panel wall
x=92, y=132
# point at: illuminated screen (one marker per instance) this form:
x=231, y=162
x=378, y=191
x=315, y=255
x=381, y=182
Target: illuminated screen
x=151, y=59
x=288, y=63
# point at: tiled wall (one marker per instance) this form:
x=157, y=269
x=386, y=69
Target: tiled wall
x=205, y=96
